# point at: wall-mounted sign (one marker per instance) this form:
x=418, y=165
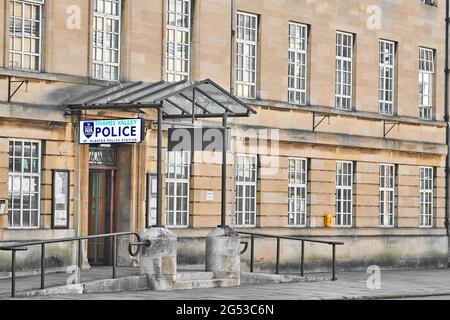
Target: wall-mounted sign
x=60, y=199
x=2, y=206
x=152, y=196
x=209, y=196
x=196, y=139
x=111, y=131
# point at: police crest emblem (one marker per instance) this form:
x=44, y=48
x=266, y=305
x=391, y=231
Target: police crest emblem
x=88, y=129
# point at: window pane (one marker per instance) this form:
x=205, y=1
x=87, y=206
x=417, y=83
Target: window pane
x=246, y=181
x=23, y=184
x=25, y=35
x=178, y=39
x=246, y=55
x=177, y=188
x=107, y=20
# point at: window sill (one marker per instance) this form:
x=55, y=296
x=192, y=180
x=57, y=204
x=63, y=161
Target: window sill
x=57, y=77
x=364, y=115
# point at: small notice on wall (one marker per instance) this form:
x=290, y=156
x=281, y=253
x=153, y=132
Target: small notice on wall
x=152, y=195
x=210, y=196
x=61, y=187
x=2, y=206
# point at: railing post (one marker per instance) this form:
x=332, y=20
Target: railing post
x=80, y=259
x=114, y=257
x=252, y=252
x=302, y=260
x=277, y=268
x=334, y=263
x=43, y=266
x=13, y=273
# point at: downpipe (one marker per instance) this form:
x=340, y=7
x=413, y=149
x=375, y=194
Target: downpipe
x=446, y=112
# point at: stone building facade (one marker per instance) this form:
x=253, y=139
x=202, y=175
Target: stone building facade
x=351, y=94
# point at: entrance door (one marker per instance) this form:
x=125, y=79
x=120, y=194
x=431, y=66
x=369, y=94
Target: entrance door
x=101, y=206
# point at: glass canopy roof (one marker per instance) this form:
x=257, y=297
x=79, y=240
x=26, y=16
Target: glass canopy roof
x=179, y=100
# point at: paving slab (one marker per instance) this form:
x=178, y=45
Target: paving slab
x=350, y=285
x=33, y=282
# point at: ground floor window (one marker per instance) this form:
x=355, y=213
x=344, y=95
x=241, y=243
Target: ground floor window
x=297, y=192
x=24, y=184
x=387, y=195
x=246, y=180
x=426, y=197
x=344, y=194
x=177, y=188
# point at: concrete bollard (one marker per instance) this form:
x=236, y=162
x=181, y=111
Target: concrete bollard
x=223, y=254
x=159, y=261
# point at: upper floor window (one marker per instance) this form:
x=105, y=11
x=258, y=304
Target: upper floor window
x=298, y=61
x=247, y=42
x=178, y=39
x=386, y=77
x=344, y=70
x=24, y=184
x=25, y=35
x=426, y=73
x=106, y=40
x=429, y=2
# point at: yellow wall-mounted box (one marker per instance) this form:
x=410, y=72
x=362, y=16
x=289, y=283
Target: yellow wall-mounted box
x=328, y=220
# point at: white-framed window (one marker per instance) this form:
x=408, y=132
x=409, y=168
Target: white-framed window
x=298, y=61
x=297, y=192
x=386, y=78
x=177, y=188
x=246, y=184
x=178, y=39
x=246, y=62
x=344, y=194
x=426, y=74
x=426, y=197
x=24, y=181
x=106, y=39
x=344, y=70
x=387, y=195
x=25, y=34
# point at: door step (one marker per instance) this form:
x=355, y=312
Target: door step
x=201, y=279
x=194, y=275
x=203, y=284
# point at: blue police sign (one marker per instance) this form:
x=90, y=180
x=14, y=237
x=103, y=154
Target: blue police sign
x=111, y=131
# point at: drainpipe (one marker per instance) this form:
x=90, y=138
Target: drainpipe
x=232, y=75
x=233, y=35
x=446, y=112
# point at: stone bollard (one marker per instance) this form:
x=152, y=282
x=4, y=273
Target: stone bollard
x=223, y=254
x=159, y=261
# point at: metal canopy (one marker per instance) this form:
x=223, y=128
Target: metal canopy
x=179, y=100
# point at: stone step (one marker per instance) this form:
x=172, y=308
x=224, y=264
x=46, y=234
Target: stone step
x=203, y=284
x=194, y=275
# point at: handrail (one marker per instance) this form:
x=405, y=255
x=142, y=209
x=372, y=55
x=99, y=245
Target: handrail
x=24, y=246
x=279, y=238
x=338, y=243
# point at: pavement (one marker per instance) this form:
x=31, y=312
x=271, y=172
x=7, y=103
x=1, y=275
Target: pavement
x=409, y=284
x=33, y=282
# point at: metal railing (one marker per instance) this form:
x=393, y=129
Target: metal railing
x=24, y=247
x=279, y=238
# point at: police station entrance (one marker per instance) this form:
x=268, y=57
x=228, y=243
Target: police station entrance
x=102, y=177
